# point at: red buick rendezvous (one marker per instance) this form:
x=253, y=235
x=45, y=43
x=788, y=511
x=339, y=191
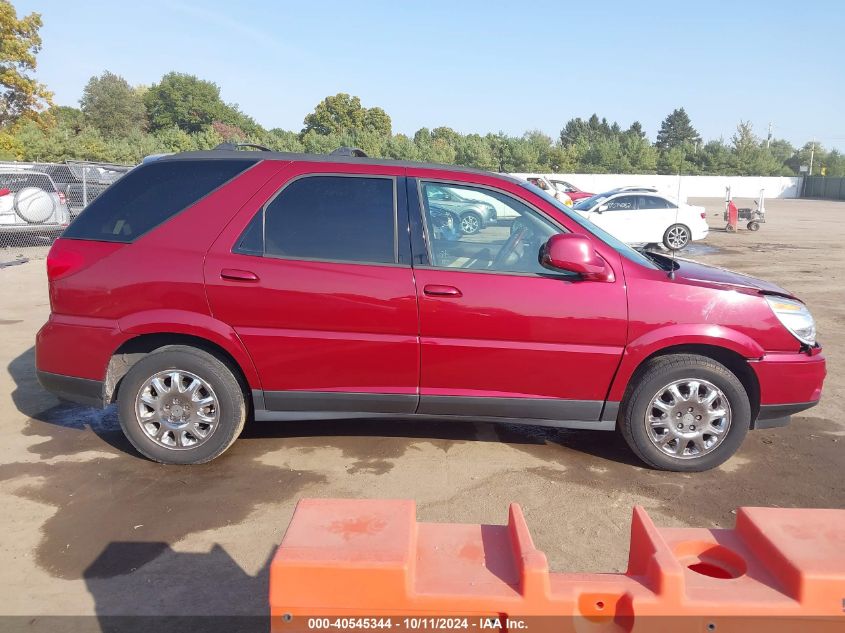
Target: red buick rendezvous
x=206, y=287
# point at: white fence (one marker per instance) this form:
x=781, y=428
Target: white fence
x=691, y=186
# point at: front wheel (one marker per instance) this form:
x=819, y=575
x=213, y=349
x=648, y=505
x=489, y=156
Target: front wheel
x=470, y=223
x=181, y=405
x=676, y=237
x=685, y=412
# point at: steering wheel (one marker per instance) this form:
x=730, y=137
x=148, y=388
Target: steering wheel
x=510, y=245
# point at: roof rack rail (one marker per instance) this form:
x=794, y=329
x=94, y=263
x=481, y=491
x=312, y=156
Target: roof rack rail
x=357, y=152
x=237, y=146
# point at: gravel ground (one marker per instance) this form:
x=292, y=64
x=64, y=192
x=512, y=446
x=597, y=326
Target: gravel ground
x=92, y=528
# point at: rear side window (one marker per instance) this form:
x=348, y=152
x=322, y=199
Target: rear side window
x=336, y=218
x=148, y=196
x=14, y=182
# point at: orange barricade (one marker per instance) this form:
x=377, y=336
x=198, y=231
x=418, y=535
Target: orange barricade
x=342, y=560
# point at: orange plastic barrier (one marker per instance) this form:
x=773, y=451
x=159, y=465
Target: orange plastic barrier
x=370, y=558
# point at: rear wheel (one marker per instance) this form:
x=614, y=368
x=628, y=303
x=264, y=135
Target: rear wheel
x=181, y=405
x=676, y=237
x=685, y=412
x=754, y=225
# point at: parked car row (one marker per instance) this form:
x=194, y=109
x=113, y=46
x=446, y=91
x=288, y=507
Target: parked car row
x=637, y=215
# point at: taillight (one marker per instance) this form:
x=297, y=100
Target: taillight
x=70, y=256
x=62, y=261
x=703, y=215
x=5, y=192
x=62, y=198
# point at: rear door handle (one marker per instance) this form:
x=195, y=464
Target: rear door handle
x=233, y=274
x=436, y=290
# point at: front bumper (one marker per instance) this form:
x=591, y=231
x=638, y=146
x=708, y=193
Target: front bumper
x=789, y=383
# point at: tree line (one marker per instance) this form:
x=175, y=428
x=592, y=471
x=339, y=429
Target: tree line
x=121, y=123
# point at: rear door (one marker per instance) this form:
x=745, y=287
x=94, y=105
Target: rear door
x=500, y=335
x=654, y=216
x=314, y=279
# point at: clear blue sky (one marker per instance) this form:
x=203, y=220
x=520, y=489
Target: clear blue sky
x=472, y=65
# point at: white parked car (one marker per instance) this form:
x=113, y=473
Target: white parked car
x=645, y=218
x=30, y=202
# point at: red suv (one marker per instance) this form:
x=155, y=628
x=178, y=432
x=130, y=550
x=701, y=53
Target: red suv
x=206, y=287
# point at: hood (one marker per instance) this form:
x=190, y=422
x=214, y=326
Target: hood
x=714, y=276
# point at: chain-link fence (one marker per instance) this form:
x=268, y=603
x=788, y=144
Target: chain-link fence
x=39, y=200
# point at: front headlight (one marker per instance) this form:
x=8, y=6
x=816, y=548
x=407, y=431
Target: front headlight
x=795, y=317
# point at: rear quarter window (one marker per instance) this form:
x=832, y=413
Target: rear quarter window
x=150, y=195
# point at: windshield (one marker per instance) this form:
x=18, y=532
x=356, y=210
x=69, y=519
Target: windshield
x=620, y=247
x=588, y=203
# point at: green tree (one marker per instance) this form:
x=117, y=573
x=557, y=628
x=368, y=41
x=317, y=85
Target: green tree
x=676, y=130
x=183, y=101
x=68, y=119
x=344, y=114
x=473, y=151
x=112, y=106
x=715, y=158
x=400, y=147
x=750, y=157
x=377, y=122
x=20, y=94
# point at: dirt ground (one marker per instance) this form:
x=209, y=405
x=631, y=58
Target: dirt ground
x=89, y=527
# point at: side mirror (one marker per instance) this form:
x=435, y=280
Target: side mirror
x=576, y=254
x=602, y=208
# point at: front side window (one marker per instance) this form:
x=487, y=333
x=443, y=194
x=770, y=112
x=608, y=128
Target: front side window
x=483, y=229
x=335, y=218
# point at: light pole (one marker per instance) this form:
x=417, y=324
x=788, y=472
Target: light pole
x=812, y=153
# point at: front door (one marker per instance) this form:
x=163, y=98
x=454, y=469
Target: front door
x=617, y=217
x=310, y=278
x=500, y=334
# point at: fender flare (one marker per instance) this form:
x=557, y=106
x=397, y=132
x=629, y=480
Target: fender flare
x=678, y=335
x=194, y=324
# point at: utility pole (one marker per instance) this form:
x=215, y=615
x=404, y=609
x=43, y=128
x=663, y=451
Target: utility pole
x=769, y=137
x=812, y=153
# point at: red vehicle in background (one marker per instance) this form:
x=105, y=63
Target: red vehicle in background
x=571, y=190
x=205, y=288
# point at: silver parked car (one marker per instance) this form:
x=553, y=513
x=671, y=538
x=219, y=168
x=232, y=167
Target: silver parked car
x=30, y=202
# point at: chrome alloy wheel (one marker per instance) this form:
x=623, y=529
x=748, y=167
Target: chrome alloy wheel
x=470, y=224
x=677, y=237
x=688, y=418
x=177, y=409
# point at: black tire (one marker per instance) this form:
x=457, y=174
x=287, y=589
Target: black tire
x=668, y=241
x=230, y=398
x=471, y=223
x=753, y=226
x=662, y=371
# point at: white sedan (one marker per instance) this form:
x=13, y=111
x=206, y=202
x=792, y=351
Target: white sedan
x=645, y=218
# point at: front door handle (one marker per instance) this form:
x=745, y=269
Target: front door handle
x=436, y=290
x=233, y=274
